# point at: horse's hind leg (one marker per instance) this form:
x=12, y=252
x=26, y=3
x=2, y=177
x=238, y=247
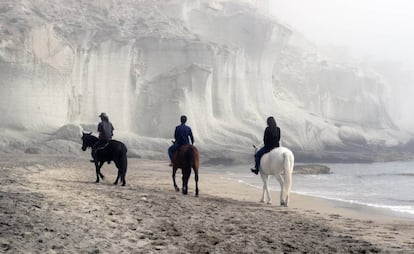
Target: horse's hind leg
x=196, y=181
x=118, y=176
x=173, y=177
x=265, y=179
x=124, y=170
x=185, y=178
x=280, y=180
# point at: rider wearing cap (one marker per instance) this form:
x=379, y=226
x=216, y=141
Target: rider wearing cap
x=105, y=130
x=181, y=135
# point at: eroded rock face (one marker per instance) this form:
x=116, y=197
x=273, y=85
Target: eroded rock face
x=225, y=64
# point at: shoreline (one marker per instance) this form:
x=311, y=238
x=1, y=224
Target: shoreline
x=339, y=214
x=365, y=208
x=52, y=203
x=308, y=202
x=346, y=205
x=354, y=208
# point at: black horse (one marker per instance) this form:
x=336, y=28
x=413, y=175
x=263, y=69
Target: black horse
x=114, y=151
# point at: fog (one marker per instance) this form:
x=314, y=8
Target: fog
x=377, y=33
x=222, y=63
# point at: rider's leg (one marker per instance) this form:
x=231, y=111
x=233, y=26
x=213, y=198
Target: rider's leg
x=257, y=158
x=94, y=149
x=171, y=151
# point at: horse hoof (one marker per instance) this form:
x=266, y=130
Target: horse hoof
x=177, y=189
x=123, y=184
x=269, y=203
x=115, y=183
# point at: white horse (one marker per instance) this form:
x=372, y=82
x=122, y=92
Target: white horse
x=279, y=163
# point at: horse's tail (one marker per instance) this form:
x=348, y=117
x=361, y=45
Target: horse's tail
x=124, y=158
x=288, y=166
x=125, y=162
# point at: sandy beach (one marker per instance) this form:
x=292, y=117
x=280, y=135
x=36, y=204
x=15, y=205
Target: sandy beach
x=52, y=205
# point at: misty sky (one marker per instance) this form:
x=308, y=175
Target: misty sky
x=374, y=29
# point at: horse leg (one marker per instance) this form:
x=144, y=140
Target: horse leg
x=265, y=179
x=287, y=184
x=269, y=197
x=124, y=169
x=196, y=180
x=184, y=188
x=118, y=176
x=98, y=170
x=280, y=180
x=173, y=177
x=185, y=178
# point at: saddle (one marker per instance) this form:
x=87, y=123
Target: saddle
x=99, y=147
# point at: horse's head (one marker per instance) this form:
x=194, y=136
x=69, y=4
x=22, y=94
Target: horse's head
x=88, y=140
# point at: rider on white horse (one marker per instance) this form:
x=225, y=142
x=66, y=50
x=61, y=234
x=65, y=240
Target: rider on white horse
x=271, y=140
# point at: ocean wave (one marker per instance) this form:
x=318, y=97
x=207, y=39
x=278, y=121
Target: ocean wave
x=347, y=196
x=386, y=174
x=399, y=200
x=408, y=209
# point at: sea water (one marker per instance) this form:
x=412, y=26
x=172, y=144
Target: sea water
x=387, y=185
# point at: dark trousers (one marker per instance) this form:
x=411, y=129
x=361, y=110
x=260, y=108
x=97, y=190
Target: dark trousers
x=258, y=156
x=172, y=149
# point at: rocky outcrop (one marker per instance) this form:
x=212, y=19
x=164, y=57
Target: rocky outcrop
x=226, y=64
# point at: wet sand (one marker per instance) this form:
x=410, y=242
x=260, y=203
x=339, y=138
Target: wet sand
x=52, y=205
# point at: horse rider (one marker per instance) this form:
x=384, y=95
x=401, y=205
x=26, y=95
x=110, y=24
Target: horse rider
x=181, y=134
x=105, y=130
x=271, y=140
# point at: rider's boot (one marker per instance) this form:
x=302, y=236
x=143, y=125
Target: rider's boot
x=255, y=170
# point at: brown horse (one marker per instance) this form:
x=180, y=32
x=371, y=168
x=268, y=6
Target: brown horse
x=186, y=157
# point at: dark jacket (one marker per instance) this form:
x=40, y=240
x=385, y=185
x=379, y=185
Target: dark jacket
x=105, y=130
x=271, y=138
x=181, y=134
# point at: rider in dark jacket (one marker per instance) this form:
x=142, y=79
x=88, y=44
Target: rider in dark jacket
x=105, y=130
x=182, y=134
x=271, y=140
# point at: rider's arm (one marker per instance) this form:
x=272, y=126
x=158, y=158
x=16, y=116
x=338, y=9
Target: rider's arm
x=191, y=136
x=99, y=128
x=175, y=133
